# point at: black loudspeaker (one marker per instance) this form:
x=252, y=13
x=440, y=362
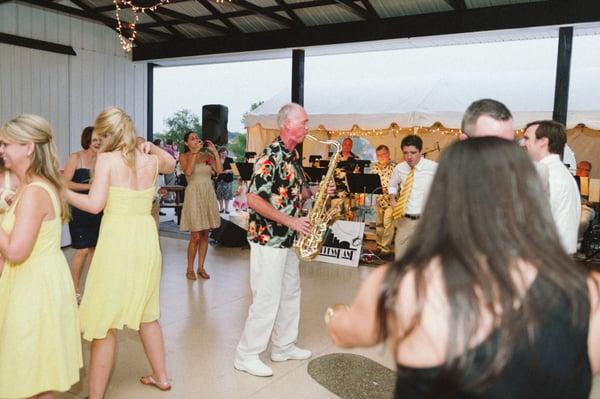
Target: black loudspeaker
x=214, y=123
x=230, y=235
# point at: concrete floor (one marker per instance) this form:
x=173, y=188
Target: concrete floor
x=202, y=323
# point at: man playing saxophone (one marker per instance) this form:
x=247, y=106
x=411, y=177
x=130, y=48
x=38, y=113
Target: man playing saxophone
x=274, y=201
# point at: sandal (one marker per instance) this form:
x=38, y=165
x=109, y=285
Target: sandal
x=150, y=381
x=190, y=275
x=203, y=274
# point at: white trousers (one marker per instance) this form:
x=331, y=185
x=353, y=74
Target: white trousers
x=275, y=309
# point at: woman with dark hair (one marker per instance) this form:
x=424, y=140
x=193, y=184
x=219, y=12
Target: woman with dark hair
x=485, y=303
x=224, y=180
x=83, y=226
x=200, y=210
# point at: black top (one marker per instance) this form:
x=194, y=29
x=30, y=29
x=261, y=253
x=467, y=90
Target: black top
x=226, y=177
x=554, y=366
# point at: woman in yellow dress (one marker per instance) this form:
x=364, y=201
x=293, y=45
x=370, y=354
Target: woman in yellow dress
x=40, y=345
x=122, y=286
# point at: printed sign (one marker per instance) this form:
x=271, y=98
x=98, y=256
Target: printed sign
x=343, y=243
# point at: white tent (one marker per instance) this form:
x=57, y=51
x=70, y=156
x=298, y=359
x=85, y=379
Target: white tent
x=385, y=111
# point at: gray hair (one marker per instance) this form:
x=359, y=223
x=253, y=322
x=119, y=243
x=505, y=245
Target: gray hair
x=486, y=106
x=287, y=112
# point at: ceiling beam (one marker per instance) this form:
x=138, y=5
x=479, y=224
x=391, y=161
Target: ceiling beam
x=289, y=11
x=215, y=11
x=369, y=7
x=262, y=11
x=514, y=16
x=36, y=44
x=192, y=20
x=165, y=24
x=457, y=4
x=351, y=6
x=111, y=23
x=246, y=12
x=111, y=7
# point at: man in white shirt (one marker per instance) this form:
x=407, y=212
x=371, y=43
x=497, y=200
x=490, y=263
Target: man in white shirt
x=544, y=141
x=414, y=176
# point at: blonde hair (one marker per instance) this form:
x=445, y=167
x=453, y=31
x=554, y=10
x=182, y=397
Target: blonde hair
x=27, y=128
x=116, y=129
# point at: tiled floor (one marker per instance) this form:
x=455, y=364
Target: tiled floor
x=202, y=322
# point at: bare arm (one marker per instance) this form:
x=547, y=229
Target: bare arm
x=216, y=163
x=166, y=163
x=95, y=200
x=188, y=161
x=263, y=208
x=357, y=325
x=34, y=207
x=594, y=327
x=69, y=171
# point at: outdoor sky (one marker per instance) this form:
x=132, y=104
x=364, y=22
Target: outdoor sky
x=237, y=85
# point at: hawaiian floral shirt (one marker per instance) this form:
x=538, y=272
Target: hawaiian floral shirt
x=385, y=173
x=278, y=179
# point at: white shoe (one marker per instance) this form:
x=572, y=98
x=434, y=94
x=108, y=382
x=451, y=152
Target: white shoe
x=294, y=353
x=253, y=366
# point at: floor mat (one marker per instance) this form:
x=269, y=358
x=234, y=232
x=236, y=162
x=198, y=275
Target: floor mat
x=353, y=376
x=170, y=229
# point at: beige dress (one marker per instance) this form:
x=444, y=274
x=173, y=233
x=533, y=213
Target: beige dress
x=200, y=206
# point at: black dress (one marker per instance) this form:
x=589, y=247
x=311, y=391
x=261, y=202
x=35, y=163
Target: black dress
x=84, y=227
x=551, y=364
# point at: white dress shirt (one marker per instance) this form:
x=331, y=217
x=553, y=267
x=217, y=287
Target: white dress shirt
x=424, y=172
x=569, y=159
x=565, y=202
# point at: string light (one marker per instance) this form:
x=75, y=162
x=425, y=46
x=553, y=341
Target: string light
x=127, y=41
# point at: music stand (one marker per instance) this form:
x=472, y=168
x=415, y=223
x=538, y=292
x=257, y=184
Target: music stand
x=315, y=174
x=365, y=183
x=245, y=169
x=362, y=164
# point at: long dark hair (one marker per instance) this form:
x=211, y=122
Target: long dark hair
x=486, y=211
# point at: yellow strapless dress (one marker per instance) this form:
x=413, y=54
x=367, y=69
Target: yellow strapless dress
x=122, y=286
x=40, y=345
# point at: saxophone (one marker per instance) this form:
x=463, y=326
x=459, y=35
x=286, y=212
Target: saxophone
x=308, y=246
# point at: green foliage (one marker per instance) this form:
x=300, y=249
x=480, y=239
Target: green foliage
x=178, y=125
x=237, y=146
x=185, y=120
x=253, y=106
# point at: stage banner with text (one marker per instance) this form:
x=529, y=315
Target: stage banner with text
x=343, y=243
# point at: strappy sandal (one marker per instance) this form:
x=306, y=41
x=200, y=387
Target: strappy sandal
x=150, y=381
x=190, y=275
x=203, y=274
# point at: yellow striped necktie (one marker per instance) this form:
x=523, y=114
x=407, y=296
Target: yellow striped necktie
x=400, y=208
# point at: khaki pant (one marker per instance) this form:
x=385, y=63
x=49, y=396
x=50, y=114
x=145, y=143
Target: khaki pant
x=405, y=228
x=384, y=227
x=275, y=311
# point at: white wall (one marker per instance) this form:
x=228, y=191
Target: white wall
x=70, y=91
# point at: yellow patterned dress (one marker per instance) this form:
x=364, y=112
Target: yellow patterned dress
x=40, y=345
x=122, y=286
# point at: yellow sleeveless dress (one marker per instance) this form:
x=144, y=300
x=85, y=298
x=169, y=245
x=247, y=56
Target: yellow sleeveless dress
x=122, y=286
x=40, y=345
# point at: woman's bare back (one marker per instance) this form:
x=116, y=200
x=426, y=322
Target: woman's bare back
x=142, y=177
